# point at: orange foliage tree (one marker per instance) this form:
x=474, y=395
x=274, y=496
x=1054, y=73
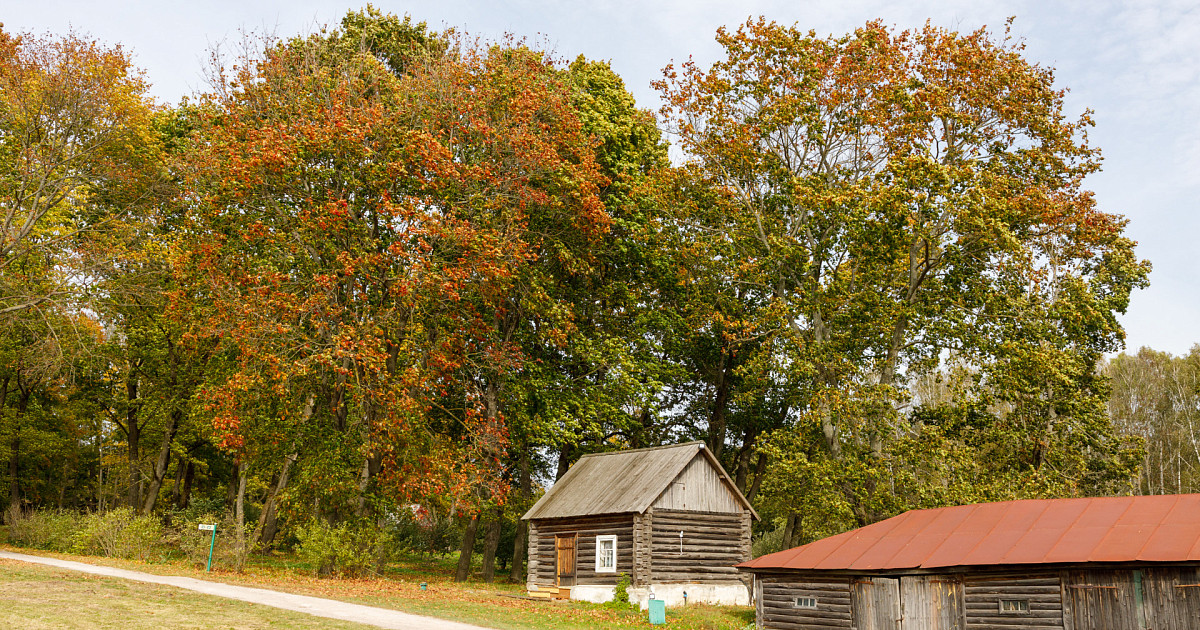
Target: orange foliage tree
x=358, y=225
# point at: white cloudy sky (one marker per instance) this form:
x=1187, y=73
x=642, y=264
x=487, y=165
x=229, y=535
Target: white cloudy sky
x=1137, y=64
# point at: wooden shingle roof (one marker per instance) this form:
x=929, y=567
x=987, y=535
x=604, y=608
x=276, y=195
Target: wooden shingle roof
x=622, y=482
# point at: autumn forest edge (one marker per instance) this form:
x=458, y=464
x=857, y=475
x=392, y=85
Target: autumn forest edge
x=379, y=277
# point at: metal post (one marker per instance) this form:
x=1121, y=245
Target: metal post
x=211, y=545
x=204, y=527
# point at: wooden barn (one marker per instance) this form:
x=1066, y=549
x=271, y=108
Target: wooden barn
x=1120, y=563
x=669, y=518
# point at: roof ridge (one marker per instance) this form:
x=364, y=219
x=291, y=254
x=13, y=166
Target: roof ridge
x=644, y=448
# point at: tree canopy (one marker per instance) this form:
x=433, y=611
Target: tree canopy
x=383, y=277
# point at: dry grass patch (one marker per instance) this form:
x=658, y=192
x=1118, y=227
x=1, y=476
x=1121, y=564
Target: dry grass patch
x=489, y=605
x=36, y=597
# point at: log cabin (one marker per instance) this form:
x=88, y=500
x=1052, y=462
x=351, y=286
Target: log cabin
x=1116, y=563
x=668, y=519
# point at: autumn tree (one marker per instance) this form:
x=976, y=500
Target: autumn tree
x=891, y=198
x=78, y=156
x=363, y=238
x=74, y=123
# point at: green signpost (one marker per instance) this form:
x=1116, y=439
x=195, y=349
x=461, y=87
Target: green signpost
x=205, y=527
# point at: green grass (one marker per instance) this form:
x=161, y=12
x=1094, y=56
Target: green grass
x=489, y=605
x=34, y=596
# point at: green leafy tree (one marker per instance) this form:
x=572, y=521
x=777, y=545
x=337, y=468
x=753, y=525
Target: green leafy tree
x=894, y=198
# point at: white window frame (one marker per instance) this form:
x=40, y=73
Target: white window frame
x=600, y=568
x=1014, y=606
x=805, y=602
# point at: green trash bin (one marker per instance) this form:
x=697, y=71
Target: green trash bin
x=658, y=611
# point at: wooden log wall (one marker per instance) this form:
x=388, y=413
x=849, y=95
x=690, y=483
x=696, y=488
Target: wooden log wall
x=776, y=608
x=1172, y=598
x=932, y=602
x=541, y=548
x=712, y=543
x=982, y=594
x=1101, y=599
x=532, y=558
x=643, y=530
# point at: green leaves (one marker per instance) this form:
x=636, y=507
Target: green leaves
x=894, y=200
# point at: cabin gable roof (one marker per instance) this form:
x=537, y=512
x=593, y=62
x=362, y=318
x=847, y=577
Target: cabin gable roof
x=620, y=482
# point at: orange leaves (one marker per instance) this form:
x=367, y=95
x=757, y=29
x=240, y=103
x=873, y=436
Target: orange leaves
x=362, y=232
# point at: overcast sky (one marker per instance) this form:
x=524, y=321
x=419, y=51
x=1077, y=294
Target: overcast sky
x=1137, y=64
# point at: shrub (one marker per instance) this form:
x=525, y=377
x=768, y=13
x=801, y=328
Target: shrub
x=53, y=530
x=119, y=533
x=230, y=550
x=348, y=550
x=767, y=542
x=621, y=593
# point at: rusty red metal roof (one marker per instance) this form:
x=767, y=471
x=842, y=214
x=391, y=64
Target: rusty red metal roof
x=1039, y=531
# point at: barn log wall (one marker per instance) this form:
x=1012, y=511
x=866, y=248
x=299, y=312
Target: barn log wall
x=643, y=530
x=1101, y=599
x=533, y=558
x=712, y=543
x=1172, y=598
x=777, y=602
x=541, y=548
x=1113, y=598
x=932, y=602
x=982, y=594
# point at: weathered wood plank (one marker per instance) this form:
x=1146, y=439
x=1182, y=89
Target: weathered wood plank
x=777, y=608
x=698, y=487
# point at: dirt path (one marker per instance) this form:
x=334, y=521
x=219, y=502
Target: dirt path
x=332, y=609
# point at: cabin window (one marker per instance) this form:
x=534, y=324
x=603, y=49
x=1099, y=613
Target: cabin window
x=806, y=602
x=606, y=554
x=1014, y=606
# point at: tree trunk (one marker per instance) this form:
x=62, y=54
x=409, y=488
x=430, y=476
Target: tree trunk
x=371, y=467
x=180, y=469
x=517, y=571
x=490, y=542
x=185, y=497
x=759, y=472
x=232, y=494
x=717, y=419
x=793, y=532
x=564, y=461
x=240, y=515
x=265, y=532
x=134, y=434
x=14, y=487
x=164, y=461
x=466, y=550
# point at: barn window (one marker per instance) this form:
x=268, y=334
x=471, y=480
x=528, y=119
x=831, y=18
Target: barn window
x=1014, y=606
x=606, y=554
x=806, y=602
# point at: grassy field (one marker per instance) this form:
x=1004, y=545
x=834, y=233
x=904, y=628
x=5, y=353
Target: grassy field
x=34, y=596
x=496, y=606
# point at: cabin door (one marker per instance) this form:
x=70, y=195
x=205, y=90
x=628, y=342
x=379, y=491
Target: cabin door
x=1171, y=597
x=564, y=554
x=931, y=603
x=1106, y=600
x=875, y=603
